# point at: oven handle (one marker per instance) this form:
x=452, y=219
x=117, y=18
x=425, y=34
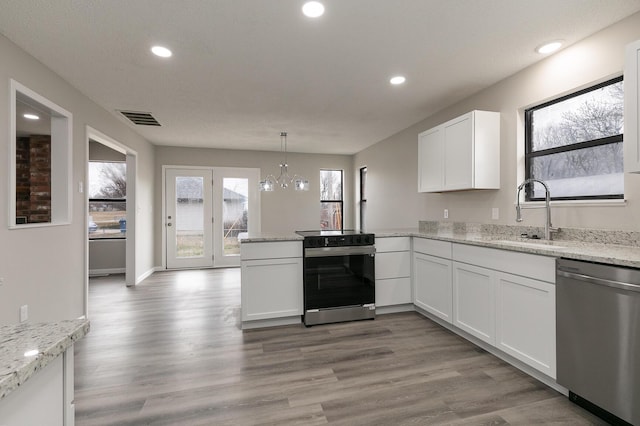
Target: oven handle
x=339, y=251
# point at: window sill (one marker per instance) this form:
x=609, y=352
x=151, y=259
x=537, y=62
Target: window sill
x=574, y=203
x=38, y=225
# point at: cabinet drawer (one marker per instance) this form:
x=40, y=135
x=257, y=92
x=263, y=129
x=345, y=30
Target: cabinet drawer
x=395, y=291
x=527, y=265
x=393, y=265
x=270, y=250
x=432, y=247
x=386, y=244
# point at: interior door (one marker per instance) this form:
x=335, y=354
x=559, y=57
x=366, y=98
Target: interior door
x=236, y=209
x=189, y=218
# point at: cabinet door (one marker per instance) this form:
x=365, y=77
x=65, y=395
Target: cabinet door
x=271, y=288
x=526, y=321
x=632, y=109
x=430, y=164
x=458, y=153
x=474, y=301
x=432, y=285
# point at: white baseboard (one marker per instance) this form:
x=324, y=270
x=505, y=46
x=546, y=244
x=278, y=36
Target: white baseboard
x=276, y=322
x=95, y=272
x=148, y=273
x=407, y=307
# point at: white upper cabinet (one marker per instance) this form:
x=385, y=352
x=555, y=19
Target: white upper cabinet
x=631, y=110
x=463, y=153
x=430, y=164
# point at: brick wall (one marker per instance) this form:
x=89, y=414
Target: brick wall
x=33, y=178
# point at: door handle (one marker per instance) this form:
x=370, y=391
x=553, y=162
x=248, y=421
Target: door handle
x=169, y=224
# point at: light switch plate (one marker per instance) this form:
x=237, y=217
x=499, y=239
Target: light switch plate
x=446, y=213
x=495, y=213
x=24, y=313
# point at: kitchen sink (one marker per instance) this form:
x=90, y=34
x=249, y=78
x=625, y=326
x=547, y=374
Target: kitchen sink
x=543, y=244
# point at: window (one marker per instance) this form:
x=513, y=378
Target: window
x=107, y=200
x=574, y=144
x=331, y=199
x=363, y=196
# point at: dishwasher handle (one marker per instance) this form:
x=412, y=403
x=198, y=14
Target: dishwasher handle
x=600, y=281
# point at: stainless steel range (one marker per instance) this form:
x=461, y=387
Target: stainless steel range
x=339, y=276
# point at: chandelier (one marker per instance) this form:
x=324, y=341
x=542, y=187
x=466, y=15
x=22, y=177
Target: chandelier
x=284, y=181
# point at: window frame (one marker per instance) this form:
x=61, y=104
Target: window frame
x=115, y=236
x=363, y=196
x=61, y=157
x=340, y=201
x=529, y=155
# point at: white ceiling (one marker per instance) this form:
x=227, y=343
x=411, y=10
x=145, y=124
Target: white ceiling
x=244, y=70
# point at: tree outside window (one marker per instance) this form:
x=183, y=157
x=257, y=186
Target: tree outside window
x=107, y=200
x=574, y=144
x=331, y=199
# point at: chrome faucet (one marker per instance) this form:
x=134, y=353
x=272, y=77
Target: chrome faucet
x=548, y=229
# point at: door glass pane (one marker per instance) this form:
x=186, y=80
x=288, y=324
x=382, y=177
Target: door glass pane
x=234, y=213
x=189, y=219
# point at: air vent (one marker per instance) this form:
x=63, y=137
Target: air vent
x=140, y=118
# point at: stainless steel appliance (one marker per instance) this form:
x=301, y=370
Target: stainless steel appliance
x=598, y=338
x=339, y=276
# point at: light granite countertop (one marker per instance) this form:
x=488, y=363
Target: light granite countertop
x=48, y=339
x=611, y=247
x=587, y=249
x=261, y=237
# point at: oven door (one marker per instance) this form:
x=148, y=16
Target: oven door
x=339, y=276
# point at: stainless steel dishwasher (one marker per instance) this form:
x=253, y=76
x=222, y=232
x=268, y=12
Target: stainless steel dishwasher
x=598, y=338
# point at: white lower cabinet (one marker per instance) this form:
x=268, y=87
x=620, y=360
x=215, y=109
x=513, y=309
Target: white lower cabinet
x=46, y=398
x=474, y=301
x=432, y=285
x=507, y=299
x=271, y=283
x=271, y=288
x=393, y=271
x=526, y=321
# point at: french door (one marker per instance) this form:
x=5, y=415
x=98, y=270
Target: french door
x=236, y=209
x=189, y=218
x=207, y=211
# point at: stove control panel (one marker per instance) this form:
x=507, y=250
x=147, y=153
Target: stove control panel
x=339, y=240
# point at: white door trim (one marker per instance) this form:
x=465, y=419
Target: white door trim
x=132, y=185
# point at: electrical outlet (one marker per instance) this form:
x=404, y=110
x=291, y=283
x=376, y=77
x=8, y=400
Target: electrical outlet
x=24, y=313
x=495, y=213
x=446, y=213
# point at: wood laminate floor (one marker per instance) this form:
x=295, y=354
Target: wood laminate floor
x=170, y=352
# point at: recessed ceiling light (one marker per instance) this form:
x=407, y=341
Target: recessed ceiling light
x=161, y=51
x=313, y=9
x=398, y=79
x=549, y=47
x=32, y=352
x=31, y=116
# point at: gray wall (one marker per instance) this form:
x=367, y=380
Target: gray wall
x=107, y=256
x=100, y=152
x=393, y=200
x=281, y=211
x=45, y=268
